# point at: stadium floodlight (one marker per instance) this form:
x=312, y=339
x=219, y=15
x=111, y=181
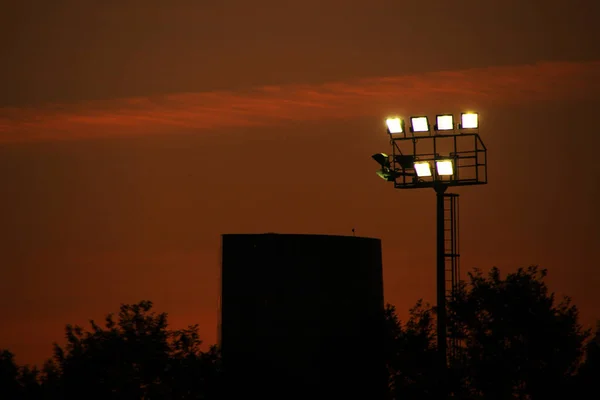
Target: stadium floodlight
x=419, y=124
x=432, y=159
x=444, y=122
x=423, y=168
x=382, y=159
x=444, y=167
x=395, y=125
x=469, y=120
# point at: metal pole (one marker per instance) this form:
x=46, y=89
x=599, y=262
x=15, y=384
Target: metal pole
x=441, y=291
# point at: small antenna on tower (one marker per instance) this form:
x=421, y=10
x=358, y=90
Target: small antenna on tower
x=353, y=234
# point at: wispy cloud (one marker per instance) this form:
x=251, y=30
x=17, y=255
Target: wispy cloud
x=274, y=105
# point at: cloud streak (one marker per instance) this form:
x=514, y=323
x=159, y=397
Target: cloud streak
x=277, y=105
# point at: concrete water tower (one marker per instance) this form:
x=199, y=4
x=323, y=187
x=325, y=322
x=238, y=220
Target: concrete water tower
x=302, y=316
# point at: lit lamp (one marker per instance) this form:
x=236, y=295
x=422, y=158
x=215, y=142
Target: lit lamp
x=394, y=125
x=419, y=124
x=444, y=122
x=444, y=167
x=469, y=121
x=423, y=169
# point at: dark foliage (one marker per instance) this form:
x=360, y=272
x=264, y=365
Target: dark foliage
x=588, y=374
x=134, y=357
x=515, y=341
x=411, y=353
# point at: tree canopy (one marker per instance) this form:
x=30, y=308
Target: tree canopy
x=515, y=340
x=133, y=357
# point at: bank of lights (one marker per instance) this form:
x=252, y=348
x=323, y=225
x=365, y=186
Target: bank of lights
x=443, y=122
x=443, y=168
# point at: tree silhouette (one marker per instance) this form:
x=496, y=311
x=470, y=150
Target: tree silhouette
x=589, y=371
x=135, y=357
x=17, y=382
x=9, y=376
x=518, y=341
x=410, y=350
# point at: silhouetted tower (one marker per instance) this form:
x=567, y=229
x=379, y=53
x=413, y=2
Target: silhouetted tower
x=441, y=156
x=302, y=316
x=451, y=263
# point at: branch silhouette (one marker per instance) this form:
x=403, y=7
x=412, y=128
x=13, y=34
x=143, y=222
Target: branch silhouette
x=516, y=340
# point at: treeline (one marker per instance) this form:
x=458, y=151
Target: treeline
x=514, y=340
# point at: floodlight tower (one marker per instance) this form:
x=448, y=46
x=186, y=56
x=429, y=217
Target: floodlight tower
x=448, y=155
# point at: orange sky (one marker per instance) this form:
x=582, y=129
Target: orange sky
x=132, y=137
x=278, y=105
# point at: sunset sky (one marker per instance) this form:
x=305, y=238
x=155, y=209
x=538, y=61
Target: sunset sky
x=134, y=133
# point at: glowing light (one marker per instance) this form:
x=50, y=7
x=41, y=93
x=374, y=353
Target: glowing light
x=469, y=121
x=444, y=167
x=394, y=125
x=445, y=122
x=422, y=168
x=419, y=124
